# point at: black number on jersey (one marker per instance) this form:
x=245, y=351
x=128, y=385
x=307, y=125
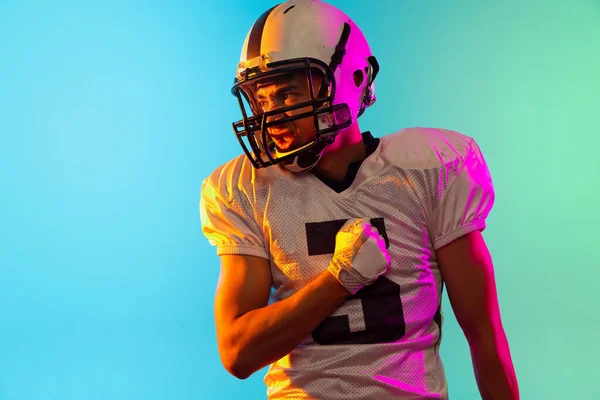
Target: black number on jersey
x=383, y=315
x=380, y=302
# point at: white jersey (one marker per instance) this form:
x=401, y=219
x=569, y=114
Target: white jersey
x=422, y=188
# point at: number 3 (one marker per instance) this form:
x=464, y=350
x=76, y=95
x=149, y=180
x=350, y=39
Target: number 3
x=383, y=314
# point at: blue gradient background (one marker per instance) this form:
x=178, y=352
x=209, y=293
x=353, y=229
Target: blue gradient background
x=112, y=113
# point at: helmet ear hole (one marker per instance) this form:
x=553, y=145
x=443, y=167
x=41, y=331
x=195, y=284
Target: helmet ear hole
x=359, y=77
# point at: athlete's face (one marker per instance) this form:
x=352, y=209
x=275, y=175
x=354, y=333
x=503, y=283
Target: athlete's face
x=284, y=91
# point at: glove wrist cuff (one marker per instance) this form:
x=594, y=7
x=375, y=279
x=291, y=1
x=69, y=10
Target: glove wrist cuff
x=344, y=276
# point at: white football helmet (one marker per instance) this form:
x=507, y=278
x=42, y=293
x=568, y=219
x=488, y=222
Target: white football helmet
x=312, y=37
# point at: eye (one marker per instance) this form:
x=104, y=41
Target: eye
x=289, y=96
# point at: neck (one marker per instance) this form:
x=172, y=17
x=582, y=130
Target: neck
x=347, y=148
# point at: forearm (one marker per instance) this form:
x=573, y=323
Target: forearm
x=262, y=336
x=493, y=366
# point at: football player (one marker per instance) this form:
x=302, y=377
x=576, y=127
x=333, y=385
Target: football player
x=335, y=245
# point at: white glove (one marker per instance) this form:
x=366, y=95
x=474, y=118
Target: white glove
x=360, y=255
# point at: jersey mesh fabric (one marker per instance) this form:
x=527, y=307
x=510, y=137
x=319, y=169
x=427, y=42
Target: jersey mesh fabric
x=425, y=187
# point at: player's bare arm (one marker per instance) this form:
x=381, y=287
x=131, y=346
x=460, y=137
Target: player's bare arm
x=252, y=334
x=467, y=269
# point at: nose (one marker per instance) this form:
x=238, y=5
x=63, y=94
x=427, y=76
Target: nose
x=276, y=117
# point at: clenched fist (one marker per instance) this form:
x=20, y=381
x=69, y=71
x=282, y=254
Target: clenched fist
x=360, y=255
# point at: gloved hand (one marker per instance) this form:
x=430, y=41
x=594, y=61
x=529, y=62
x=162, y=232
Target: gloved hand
x=360, y=255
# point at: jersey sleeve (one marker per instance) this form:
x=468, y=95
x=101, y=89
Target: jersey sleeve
x=465, y=200
x=227, y=226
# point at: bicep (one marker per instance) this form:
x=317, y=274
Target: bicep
x=244, y=285
x=467, y=270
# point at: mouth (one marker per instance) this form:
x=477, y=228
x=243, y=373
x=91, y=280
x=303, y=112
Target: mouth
x=282, y=139
x=279, y=132
x=281, y=135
